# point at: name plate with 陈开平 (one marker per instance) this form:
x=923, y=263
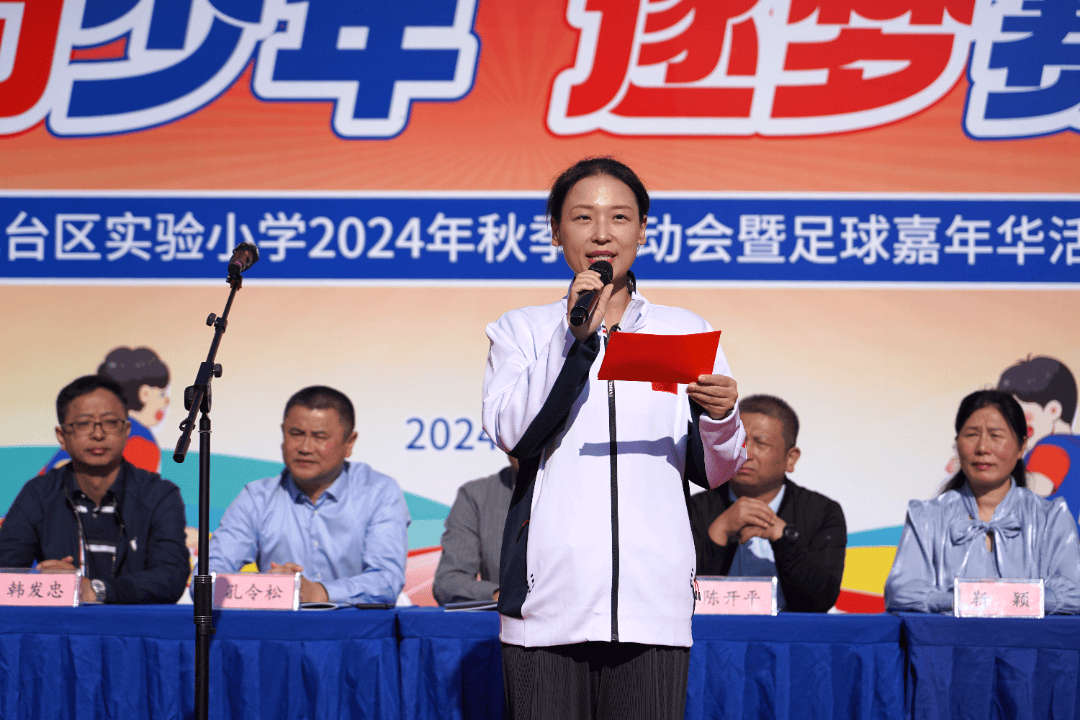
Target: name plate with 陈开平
x=735, y=595
x=40, y=588
x=998, y=597
x=257, y=591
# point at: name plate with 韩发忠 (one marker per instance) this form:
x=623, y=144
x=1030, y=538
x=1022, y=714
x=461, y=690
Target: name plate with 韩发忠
x=40, y=588
x=998, y=597
x=257, y=591
x=735, y=595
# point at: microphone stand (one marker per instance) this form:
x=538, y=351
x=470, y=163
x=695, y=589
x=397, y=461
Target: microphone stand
x=196, y=398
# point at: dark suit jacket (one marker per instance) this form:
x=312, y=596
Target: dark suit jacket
x=152, y=564
x=808, y=569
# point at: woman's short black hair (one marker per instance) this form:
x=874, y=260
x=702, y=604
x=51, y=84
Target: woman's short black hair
x=588, y=168
x=1014, y=416
x=133, y=368
x=84, y=386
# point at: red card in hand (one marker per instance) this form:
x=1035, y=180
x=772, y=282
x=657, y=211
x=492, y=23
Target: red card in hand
x=659, y=359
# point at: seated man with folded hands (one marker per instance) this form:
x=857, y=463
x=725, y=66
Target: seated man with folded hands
x=761, y=524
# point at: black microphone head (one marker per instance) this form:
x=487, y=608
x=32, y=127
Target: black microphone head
x=244, y=256
x=253, y=248
x=607, y=273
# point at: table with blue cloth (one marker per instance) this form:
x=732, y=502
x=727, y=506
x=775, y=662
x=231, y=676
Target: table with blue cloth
x=451, y=664
x=136, y=662
x=796, y=665
x=789, y=666
x=983, y=668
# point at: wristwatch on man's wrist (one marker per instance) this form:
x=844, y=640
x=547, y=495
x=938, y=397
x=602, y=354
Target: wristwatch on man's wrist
x=99, y=590
x=790, y=533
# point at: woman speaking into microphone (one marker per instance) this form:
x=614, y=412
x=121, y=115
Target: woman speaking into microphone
x=596, y=581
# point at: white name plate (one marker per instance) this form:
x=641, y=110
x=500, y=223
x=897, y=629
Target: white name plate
x=36, y=588
x=257, y=591
x=998, y=597
x=735, y=595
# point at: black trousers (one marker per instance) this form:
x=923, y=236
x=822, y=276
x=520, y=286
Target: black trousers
x=595, y=681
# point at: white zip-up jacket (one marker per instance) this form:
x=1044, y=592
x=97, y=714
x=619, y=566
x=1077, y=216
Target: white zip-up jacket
x=597, y=544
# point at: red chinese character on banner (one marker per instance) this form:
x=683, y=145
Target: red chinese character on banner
x=767, y=67
x=867, y=68
x=27, y=39
x=692, y=53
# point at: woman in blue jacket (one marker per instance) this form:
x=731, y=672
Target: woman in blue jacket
x=986, y=523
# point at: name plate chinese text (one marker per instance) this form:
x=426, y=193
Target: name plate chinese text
x=998, y=598
x=257, y=591
x=58, y=588
x=735, y=595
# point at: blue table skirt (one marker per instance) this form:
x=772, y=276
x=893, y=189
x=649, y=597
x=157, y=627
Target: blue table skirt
x=138, y=662
x=451, y=664
x=796, y=666
x=791, y=666
x=982, y=668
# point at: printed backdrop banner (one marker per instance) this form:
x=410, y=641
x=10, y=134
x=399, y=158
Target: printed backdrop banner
x=1014, y=239
x=835, y=95
x=877, y=202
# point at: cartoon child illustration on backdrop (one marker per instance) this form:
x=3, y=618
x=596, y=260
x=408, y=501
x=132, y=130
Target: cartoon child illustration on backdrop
x=145, y=379
x=1046, y=390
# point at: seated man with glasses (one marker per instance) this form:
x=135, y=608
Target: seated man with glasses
x=123, y=526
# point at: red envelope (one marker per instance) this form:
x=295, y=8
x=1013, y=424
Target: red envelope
x=659, y=359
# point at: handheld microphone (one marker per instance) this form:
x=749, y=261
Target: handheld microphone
x=586, y=302
x=244, y=256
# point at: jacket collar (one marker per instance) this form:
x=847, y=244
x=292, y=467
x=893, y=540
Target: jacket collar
x=71, y=485
x=636, y=313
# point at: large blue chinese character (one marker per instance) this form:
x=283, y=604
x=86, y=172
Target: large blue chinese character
x=1025, y=60
x=180, y=54
x=372, y=58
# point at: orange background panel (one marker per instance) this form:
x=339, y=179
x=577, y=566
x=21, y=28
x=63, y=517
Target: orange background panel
x=496, y=139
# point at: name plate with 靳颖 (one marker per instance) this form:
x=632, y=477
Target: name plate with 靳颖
x=735, y=595
x=257, y=591
x=994, y=597
x=37, y=588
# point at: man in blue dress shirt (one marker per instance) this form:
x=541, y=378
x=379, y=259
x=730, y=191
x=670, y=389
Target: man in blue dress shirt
x=341, y=524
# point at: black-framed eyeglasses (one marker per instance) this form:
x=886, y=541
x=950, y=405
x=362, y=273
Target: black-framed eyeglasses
x=110, y=426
